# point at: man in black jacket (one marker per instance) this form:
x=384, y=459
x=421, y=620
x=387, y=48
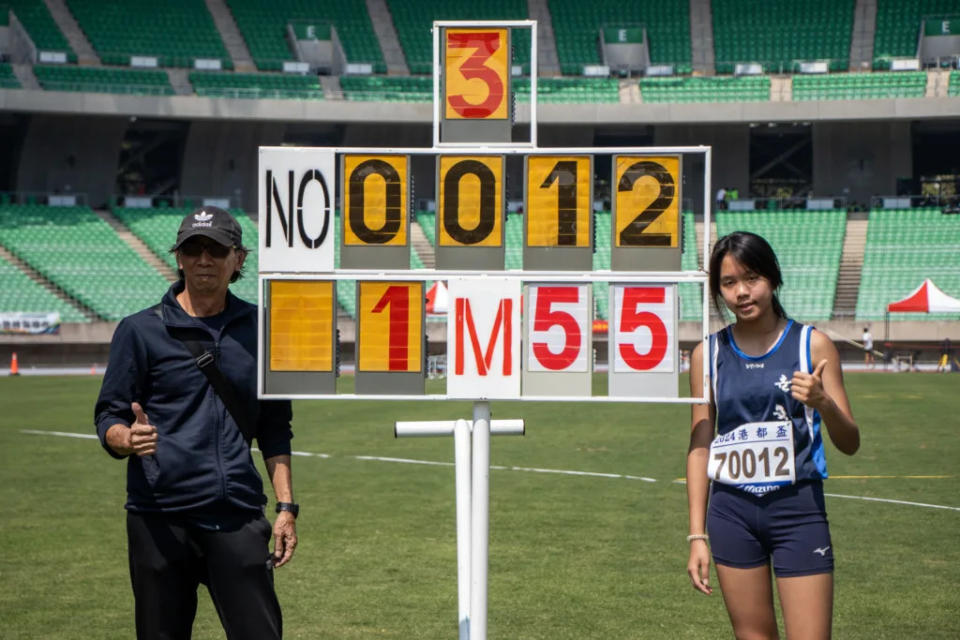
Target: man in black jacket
x=195, y=502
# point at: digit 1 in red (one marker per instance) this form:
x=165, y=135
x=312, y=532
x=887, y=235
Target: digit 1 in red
x=398, y=299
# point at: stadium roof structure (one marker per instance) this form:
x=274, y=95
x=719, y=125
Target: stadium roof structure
x=927, y=298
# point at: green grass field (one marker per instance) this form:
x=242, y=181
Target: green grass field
x=571, y=557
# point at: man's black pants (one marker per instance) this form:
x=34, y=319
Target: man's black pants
x=169, y=560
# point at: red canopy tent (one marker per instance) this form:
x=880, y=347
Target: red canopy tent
x=437, y=300
x=926, y=298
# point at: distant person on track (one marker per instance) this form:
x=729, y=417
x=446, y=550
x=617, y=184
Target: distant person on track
x=945, y=352
x=867, y=339
x=774, y=383
x=179, y=401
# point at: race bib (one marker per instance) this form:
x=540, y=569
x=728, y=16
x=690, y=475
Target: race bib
x=756, y=457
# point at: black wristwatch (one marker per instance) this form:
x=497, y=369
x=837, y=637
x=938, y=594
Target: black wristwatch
x=292, y=507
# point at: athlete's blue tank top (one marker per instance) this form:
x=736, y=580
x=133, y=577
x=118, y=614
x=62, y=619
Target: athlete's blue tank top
x=757, y=389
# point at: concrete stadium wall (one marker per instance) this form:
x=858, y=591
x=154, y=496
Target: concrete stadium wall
x=68, y=154
x=865, y=158
x=220, y=158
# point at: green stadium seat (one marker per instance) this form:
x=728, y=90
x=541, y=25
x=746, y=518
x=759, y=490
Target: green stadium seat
x=102, y=80
x=36, y=19
x=808, y=245
x=706, y=89
x=413, y=21
x=577, y=25
x=570, y=90
x=256, y=85
x=263, y=24
x=780, y=32
x=19, y=293
x=81, y=254
x=387, y=89
x=7, y=78
x=176, y=32
x=904, y=246
x=898, y=24
x=860, y=86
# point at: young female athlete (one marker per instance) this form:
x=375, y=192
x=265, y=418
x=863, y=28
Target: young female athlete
x=774, y=383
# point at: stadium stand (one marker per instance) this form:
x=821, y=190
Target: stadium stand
x=898, y=26
x=413, y=22
x=101, y=80
x=691, y=301
x=601, y=260
x=174, y=31
x=577, y=25
x=256, y=85
x=19, y=293
x=954, y=89
x=263, y=24
x=860, y=86
x=706, y=89
x=428, y=222
x=387, y=88
x=513, y=242
x=36, y=19
x=904, y=246
x=808, y=245
x=783, y=32
x=570, y=90
x=420, y=89
x=7, y=79
x=81, y=254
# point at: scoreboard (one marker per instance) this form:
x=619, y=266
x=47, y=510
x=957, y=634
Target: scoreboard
x=331, y=215
x=511, y=334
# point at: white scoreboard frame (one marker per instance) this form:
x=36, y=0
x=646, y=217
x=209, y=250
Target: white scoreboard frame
x=323, y=155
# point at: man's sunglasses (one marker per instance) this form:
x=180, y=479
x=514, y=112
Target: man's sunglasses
x=193, y=249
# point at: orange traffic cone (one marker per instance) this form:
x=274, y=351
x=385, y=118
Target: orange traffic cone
x=14, y=366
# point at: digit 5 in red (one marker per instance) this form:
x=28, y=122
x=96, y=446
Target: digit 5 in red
x=559, y=327
x=476, y=73
x=644, y=328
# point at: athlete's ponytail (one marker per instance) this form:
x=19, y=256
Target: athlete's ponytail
x=754, y=253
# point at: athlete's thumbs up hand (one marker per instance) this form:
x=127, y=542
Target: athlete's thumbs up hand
x=808, y=387
x=143, y=435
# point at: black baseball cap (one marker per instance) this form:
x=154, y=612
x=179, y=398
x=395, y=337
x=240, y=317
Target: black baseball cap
x=213, y=223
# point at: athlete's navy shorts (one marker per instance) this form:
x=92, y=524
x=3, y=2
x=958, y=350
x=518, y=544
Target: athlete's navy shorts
x=789, y=525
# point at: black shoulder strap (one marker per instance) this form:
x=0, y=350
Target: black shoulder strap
x=221, y=386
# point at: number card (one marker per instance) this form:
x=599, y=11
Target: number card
x=646, y=213
x=756, y=457
x=390, y=338
x=300, y=350
x=559, y=213
x=470, y=212
x=376, y=199
x=483, y=338
x=477, y=73
x=643, y=344
x=297, y=191
x=558, y=335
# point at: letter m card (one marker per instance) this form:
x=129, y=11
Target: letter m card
x=483, y=338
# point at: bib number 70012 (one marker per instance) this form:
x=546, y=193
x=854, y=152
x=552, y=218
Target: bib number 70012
x=758, y=456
